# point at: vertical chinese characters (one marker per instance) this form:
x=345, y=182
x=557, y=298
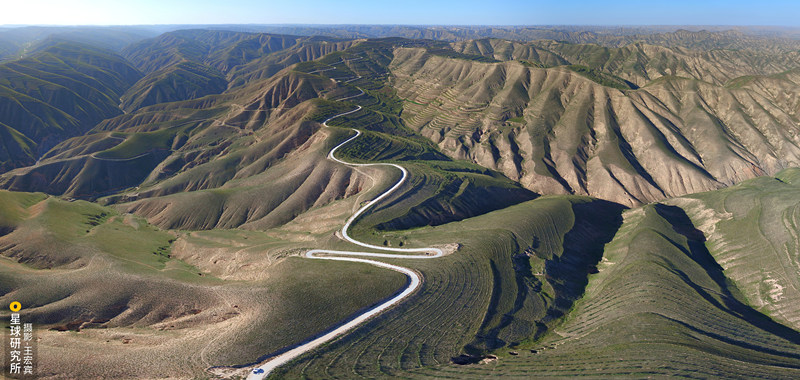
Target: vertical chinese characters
x=14, y=343
x=27, y=354
x=20, y=349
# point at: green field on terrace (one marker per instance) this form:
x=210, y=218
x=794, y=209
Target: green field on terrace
x=504, y=286
x=752, y=232
x=659, y=306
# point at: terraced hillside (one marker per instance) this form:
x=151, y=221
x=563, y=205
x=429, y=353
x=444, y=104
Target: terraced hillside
x=639, y=62
x=515, y=273
x=556, y=130
x=659, y=306
x=624, y=210
x=221, y=150
x=752, y=234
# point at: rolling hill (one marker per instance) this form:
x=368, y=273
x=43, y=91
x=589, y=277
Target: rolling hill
x=181, y=81
x=19, y=42
x=80, y=268
x=189, y=64
x=610, y=203
x=223, y=149
x=557, y=130
x=639, y=62
x=658, y=306
x=752, y=234
x=57, y=93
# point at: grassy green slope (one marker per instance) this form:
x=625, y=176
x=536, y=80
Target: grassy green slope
x=437, y=193
x=752, y=231
x=13, y=208
x=659, y=306
x=515, y=274
x=78, y=266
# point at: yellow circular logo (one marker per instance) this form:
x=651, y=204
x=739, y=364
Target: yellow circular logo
x=15, y=306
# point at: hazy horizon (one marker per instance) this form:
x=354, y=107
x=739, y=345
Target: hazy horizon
x=418, y=25
x=779, y=13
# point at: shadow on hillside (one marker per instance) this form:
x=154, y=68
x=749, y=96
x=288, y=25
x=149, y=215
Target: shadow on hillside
x=596, y=223
x=734, y=303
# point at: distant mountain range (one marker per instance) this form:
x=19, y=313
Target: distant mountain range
x=558, y=117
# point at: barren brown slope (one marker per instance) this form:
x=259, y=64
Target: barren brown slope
x=188, y=146
x=283, y=173
x=182, y=81
x=255, y=157
x=216, y=48
x=503, y=50
x=640, y=62
x=268, y=65
x=559, y=132
x=188, y=64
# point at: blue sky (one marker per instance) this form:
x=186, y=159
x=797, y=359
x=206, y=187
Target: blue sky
x=462, y=12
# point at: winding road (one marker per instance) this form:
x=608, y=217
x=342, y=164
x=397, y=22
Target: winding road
x=415, y=281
